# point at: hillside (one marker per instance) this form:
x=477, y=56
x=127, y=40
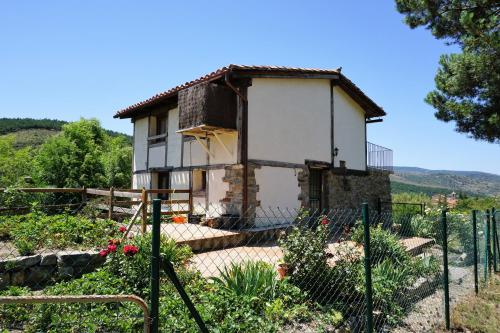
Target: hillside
x=412, y=179
x=34, y=132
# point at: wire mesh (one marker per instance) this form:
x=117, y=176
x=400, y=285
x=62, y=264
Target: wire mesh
x=52, y=243
x=268, y=268
x=460, y=257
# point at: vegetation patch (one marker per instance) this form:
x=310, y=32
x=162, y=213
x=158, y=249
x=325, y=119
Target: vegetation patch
x=481, y=313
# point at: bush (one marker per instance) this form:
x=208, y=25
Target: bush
x=383, y=245
x=133, y=268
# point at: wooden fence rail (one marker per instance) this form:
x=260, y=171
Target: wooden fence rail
x=113, y=206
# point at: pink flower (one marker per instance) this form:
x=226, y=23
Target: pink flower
x=122, y=229
x=130, y=250
x=111, y=248
x=103, y=253
x=324, y=221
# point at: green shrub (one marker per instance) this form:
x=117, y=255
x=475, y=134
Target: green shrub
x=13, y=316
x=304, y=251
x=134, y=270
x=383, y=245
x=251, y=279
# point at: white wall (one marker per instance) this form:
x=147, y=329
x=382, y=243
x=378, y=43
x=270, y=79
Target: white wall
x=194, y=154
x=174, y=139
x=278, y=187
x=216, y=192
x=141, y=180
x=349, y=131
x=219, y=155
x=157, y=156
x=140, y=144
x=289, y=120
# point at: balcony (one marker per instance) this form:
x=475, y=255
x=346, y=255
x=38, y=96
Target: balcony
x=205, y=109
x=378, y=158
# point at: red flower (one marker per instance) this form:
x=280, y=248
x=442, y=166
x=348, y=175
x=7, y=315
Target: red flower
x=111, y=248
x=324, y=221
x=122, y=229
x=130, y=250
x=103, y=253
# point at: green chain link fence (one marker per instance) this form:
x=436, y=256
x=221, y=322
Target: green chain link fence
x=270, y=269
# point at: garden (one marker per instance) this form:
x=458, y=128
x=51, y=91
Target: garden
x=321, y=290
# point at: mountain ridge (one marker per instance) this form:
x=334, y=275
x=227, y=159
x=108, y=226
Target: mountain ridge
x=476, y=183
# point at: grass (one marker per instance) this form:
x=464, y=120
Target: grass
x=481, y=313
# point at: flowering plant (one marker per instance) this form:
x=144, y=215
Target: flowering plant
x=130, y=250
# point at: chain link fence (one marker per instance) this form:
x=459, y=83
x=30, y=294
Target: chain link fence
x=267, y=269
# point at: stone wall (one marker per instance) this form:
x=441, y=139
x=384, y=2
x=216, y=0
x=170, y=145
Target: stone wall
x=42, y=269
x=349, y=190
x=234, y=196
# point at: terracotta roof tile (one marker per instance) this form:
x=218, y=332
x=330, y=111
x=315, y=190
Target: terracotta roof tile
x=281, y=70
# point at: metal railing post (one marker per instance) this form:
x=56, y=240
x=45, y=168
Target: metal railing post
x=368, y=269
x=155, y=266
x=495, y=239
x=474, y=236
x=444, y=229
x=487, y=246
x=144, y=213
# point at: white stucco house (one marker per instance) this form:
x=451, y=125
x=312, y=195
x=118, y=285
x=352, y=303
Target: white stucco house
x=261, y=136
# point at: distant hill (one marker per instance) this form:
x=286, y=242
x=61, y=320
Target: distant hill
x=413, y=179
x=34, y=132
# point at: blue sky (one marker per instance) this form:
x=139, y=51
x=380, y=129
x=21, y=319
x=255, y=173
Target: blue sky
x=72, y=59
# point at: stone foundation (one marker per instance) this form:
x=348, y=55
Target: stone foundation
x=234, y=196
x=42, y=269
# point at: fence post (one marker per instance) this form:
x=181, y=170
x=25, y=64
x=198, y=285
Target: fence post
x=495, y=239
x=444, y=229
x=144, y=199
x=379, y=206
x=487, y=246
x=111, y=207
x=368, y=269
x=474, y=237
x=84, y=194
x=155, y=266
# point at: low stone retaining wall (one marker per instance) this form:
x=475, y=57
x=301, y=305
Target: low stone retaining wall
x=42, y=269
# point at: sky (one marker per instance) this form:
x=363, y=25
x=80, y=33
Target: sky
x=71, y=59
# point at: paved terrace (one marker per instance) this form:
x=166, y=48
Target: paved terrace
x=219, y=248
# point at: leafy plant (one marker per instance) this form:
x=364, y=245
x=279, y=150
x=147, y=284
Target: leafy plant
x=251, y=279
x=383, y=245
x=37, y=230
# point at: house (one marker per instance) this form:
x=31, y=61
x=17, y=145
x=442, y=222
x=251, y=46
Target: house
x=450, y=200
x=245, y=138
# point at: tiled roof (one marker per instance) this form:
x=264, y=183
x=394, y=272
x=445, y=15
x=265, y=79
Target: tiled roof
x=252, y=70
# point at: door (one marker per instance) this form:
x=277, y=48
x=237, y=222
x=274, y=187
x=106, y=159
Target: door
x=315, y=189
x=163, y=183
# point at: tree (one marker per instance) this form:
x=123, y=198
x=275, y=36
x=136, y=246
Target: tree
x=468, y=83
x=14, y=163
x=83, y=154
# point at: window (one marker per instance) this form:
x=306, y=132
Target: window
x=159, y=128
x=315, y=189
x=199, y=181
x=161, y=124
